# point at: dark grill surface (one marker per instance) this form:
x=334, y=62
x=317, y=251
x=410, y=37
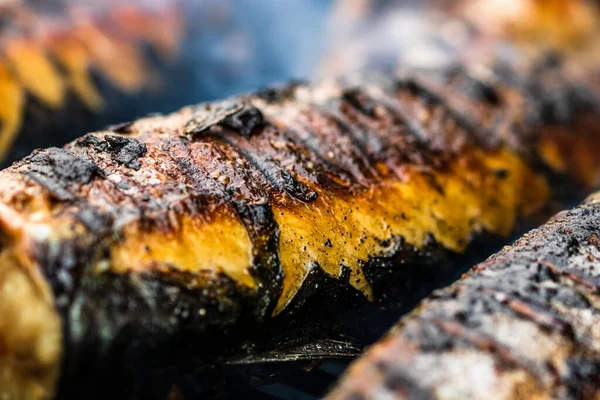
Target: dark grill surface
x=302, y=385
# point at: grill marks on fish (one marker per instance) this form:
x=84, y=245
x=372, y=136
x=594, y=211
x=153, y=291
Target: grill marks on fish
x=244, y=207
x=281, y=161
x=531, y=311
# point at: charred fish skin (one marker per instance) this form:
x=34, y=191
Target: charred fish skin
x=523, y=324
x=156, y=250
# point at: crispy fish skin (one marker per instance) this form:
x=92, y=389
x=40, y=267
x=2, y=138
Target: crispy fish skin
x=524, y=324
x=152, y=249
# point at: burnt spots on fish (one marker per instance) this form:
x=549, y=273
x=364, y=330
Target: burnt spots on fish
x=580, y=376
x=481, y=91
x=126, y=150
x=279, y=93
x=542, y=316
x=357, y=99
x=238, y=116
x=564, y=105
x=355, y=134
x=451, y=118
x=375, y=136
x=94, y=220
x=223, y=163
x=550, y=60
x=485, y=343
x=401, y=114
x=56, y=170
x=210, y=114
x=459, y=77
x=331, y=144
x=67, y=260
x=245, y=122
x=266, y=153
x=266, y=267
x=294, y=187
x=523, y=293
x=389, y=138
x=171, y=315
x=90, y=140
x=189, y=167
x=552, y=96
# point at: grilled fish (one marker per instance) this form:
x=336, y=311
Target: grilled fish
x=521, y=325
x=134, y=257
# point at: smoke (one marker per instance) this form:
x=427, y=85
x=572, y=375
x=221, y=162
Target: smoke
x=236, y=46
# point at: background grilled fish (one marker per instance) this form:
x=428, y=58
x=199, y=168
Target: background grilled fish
x=68, y=67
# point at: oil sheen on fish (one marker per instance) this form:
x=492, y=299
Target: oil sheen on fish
x=134, y=257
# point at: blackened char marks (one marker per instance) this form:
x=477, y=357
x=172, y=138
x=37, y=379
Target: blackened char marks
x=238, y=116
x=387, y=137
x=215, y=171
x=360, y=101
x=218, y=169
x=295, y=188
x=245, y=122
x=403, y=385
x=208, y=115
x=401, y=114
x=451, y=119
x=272, y=154
x=57, y=169
x=266, y=267
x=328, y=140
x=126, y=150
x=123, y=150
x=223, y=163
x=94, y=220
x=90, y=140
x=481, y=91
x=124, y=328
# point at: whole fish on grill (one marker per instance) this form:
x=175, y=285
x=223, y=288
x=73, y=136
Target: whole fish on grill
x=134, y=258
x=521, y=325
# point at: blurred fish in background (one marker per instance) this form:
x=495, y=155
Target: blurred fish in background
x=72, y=66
